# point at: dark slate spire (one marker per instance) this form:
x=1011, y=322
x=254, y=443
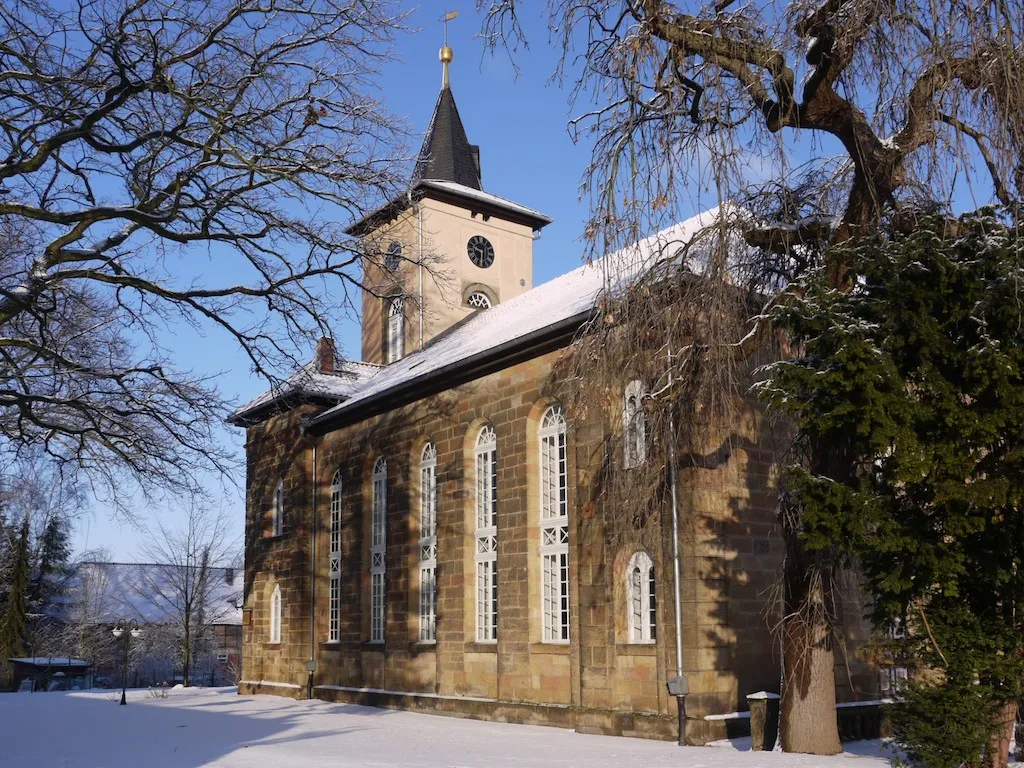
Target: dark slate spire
x=447, y=154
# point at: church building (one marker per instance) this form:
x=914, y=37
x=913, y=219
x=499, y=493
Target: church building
x=425, y=529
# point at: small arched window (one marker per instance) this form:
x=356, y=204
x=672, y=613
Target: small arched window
x=275, y=614
x=554, y=526
x=378, y=549
x=486, y=535
x=396, y=330
x=277, y=515
x=428, y=543
x=478, y=300
x=334, y=608
x=641, y=604
x=634, y=424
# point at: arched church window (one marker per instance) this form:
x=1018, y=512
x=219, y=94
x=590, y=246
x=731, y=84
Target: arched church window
x=479, y=300
x=394, y=256
x=634, y=425
x=641, y=604
x=428, y=543
x=378, y=549
x=334, y=603
x=554, y=526
x=486, y=535
x=396, y=330
x=275, y=615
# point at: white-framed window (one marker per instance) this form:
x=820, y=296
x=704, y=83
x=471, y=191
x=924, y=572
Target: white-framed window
x=894, y=677
x=486, y=535
x=478, y=300
x=334, y=566
x=641, y=602
x=428, y=543
x=275, y=614
x=378, y=550
x=634, y=424
x=554, y=527
x=396, y=329
x=277, y=514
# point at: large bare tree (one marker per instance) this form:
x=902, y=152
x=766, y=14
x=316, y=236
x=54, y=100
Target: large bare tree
x=171, y=167
x=181, y=592
x=820, y=118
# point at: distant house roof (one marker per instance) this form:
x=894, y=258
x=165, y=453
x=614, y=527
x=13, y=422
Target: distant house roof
x=106, y=592
x=538, y=320
x=51, y=661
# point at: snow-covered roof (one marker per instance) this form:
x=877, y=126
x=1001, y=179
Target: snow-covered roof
x=483, y=197
x=569, y=296
x=310, y=381
x=146, y=592
x=52, y=661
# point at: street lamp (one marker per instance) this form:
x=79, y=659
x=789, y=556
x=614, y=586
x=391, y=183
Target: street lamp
x=128, y=628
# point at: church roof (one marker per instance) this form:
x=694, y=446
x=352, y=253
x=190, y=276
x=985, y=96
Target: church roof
x=446, y=154
x=546, y=315
x=307, y=384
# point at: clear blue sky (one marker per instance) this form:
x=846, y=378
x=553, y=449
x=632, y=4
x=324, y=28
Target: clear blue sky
x=526, y=154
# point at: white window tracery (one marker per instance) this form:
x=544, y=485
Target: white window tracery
x=396, y=330
x=275, y=615
x=277, y=515
x=334, y=565
x=554, y=526
x=428, y=544
x=486, y=535
x=641, y=602
x=479, y=300
x=634, y=424
x=378, y=550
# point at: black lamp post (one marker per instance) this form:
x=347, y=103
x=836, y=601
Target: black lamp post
x=128, y=628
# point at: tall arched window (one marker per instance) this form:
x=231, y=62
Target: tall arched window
x=641, y=604
x=275, y=615
x=396, y=329
x=634, y=424
x=486, y=535
x=334, y=603
x=277, y=516
x=554, y=526
x=428, y=543
x=378, y=550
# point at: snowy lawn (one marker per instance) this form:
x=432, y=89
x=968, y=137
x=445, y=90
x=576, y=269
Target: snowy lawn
x=216, y=727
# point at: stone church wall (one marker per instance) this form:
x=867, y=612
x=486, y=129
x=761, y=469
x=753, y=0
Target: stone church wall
x=598, y=682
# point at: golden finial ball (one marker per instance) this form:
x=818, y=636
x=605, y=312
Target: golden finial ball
x=446, y=54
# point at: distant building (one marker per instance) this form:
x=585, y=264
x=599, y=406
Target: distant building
x=50, y=673
x=101, y=594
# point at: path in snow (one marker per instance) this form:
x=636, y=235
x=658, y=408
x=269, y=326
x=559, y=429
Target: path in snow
x=217, y=728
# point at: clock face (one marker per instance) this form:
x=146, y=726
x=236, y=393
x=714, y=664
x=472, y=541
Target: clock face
x=480, y=251
x=394, y=257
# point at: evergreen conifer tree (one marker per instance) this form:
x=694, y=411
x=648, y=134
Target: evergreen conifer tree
x=917, y=372
x=14, y=633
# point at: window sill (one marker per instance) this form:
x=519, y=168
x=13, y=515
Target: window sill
x=637, y=649
x=553, y=649
x=330, y=645
x=372, y=647
x=478, y=647
x=422, y=646
x=271, y=646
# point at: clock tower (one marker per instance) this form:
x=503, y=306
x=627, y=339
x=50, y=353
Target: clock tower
x=443, y=250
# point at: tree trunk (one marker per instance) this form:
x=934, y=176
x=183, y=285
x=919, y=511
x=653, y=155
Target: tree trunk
x=999, y=746
x=807, y=716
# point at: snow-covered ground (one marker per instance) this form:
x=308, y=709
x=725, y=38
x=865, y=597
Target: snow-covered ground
x=216, y=727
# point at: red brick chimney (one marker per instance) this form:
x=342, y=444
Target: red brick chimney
x=325, y=355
